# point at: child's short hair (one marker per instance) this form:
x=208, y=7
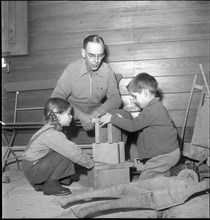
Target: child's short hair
x=143, y=81
x=55, y=105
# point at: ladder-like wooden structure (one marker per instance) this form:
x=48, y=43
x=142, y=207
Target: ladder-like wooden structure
x=198, y=148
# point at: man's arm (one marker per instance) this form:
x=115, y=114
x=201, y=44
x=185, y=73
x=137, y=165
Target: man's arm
x=113, y=95
x=63, y=90
x=63, y=87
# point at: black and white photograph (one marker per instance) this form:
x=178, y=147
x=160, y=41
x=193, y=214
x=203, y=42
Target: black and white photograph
x=105, y=109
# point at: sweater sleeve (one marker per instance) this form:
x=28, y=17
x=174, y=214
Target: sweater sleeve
x=143, y=120
x=58, y=142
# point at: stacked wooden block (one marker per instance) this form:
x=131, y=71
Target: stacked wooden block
x=110, y=165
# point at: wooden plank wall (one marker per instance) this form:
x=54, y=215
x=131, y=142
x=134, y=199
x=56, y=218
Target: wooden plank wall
x=167, y=39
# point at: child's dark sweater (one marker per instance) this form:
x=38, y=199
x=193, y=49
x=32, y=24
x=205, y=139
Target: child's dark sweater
x=157, y=134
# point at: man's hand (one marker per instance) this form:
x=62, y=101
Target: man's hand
x=95, y=114
x=105, y=119
x=86, y=121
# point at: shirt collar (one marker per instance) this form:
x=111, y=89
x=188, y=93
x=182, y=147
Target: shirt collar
x=83, y=68
x=85, y=71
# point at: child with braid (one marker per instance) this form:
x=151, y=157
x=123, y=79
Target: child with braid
x=49, y=157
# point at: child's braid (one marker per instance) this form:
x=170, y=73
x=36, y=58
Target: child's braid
x=53, y=117
x=54, y=120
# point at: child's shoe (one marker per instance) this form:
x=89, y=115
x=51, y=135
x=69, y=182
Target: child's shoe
x=37, y=187
x=52, y=187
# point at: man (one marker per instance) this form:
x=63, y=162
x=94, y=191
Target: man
x=89, y=84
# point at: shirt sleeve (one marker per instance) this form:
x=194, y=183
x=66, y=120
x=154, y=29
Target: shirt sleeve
x=113, y=95
x=58, y=142
x=63, y=87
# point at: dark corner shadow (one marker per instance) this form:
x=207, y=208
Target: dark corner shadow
x=106, y=58
x=160, y=94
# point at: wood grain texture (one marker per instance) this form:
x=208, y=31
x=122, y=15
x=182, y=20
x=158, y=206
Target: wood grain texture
x=42, y=9
x=116, y=16
x=15, y=28
x=134, y=35
x=118, y=53
x=167, y=39
x=157, y=67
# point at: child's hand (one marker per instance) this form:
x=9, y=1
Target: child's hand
x=105, y=119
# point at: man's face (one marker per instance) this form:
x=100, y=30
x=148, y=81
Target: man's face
x=93, y=55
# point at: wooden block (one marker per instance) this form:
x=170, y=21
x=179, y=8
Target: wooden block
x=107, y=153
x=122, y=151
x=103, y=176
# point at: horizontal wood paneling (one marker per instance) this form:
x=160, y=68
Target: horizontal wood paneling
x=179, y=66
x=149, y=34
x=171, y=16
x=30, y=85
x=29, y=73
x=144, y=5
x=119, y=53
x=45, y=9
x=158, y=67
x=163, y=33
x=106, y=18
x=158, y=50
x=73, y=39
x=167, y=39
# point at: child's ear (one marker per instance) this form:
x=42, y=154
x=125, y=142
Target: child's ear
x=58, y=116
x=145, y=92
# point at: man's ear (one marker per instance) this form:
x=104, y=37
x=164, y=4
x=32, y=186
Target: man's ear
x=83, y=52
